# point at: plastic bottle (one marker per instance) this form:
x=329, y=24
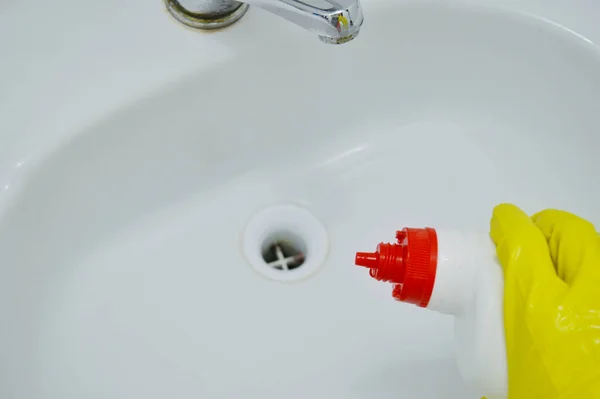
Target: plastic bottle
x=456, y=274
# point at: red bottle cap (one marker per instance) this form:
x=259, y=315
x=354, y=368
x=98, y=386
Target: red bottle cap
x=410, y=264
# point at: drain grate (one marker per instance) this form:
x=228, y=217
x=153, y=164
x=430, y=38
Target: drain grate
x=283, y=255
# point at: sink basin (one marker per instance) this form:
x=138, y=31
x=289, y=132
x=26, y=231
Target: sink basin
x=123, y=272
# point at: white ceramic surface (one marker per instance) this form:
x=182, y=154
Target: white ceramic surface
x=133, y=152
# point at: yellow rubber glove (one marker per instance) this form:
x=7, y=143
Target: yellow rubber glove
x=551, y=267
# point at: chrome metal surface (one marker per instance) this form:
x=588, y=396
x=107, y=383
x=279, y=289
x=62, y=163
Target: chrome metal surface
x=334, y=22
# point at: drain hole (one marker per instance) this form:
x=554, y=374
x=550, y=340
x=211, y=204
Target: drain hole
x=284, y=251
x=285, y=243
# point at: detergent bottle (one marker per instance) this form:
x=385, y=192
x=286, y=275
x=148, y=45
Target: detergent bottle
x=456, y=274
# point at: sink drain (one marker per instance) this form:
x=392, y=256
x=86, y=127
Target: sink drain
x=283, y=255
x=285, y=243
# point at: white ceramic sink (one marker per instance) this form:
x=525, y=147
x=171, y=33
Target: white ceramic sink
x=122, y=219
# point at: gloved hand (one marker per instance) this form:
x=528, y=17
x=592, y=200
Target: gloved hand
x=551, y=267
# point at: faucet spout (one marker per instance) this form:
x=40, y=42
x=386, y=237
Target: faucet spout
x=335, y=22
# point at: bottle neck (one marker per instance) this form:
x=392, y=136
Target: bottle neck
x=409, y=264
x=459, y=256
x=430, y=268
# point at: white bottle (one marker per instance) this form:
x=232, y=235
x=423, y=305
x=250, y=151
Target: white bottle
x=459, y=275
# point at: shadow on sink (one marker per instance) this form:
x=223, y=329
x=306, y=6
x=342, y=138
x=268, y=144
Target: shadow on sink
x=405, y=379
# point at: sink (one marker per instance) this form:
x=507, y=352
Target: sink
x=125, y=268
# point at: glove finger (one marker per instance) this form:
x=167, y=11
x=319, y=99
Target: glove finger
x=532, y=294
x=573, y=244
x=523, y=251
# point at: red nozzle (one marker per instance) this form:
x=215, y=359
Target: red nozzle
x=410, y=264
x=386, y=264
x=367, y=259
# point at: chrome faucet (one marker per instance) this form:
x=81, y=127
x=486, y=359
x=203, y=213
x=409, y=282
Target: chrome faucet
x=334, y=21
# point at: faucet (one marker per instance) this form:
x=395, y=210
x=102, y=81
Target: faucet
x=334, y=21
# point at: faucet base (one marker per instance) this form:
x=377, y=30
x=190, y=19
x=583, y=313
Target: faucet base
x=209, y=15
